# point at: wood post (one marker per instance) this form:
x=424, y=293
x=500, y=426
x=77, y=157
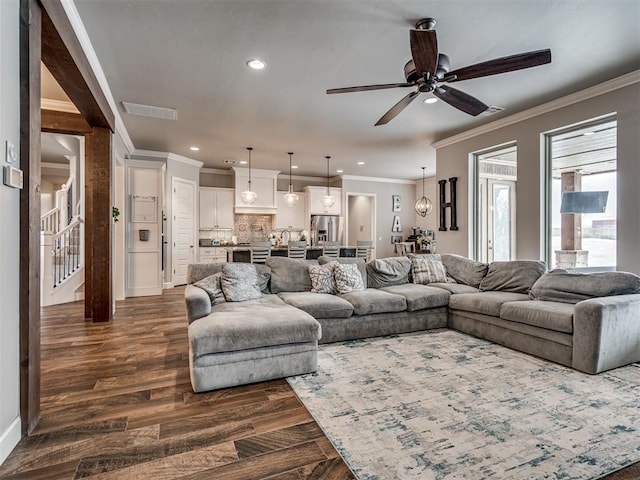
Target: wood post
x=571, y=227
x=97, y=239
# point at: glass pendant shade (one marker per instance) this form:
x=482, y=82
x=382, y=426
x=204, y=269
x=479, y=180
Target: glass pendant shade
x=423, y=206
x=327, y=200
x=249, y=196
x=290, y=198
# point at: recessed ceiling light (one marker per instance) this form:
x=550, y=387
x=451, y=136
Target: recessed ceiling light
x=294, y=166
x=195, y=149
x=243, y=162
x=589, y=133
x=339, y=171
x=256, y=64
x=360, y=163
x=430, y=100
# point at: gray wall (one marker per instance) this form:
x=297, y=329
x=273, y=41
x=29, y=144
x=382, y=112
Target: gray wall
x=10, y=237
x=384, y=213
x=453, y=160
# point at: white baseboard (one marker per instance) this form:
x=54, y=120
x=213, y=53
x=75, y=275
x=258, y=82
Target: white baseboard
x=10, y=438
x=167, y=285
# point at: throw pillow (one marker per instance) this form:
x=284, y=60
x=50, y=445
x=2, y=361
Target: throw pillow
x=512, y=276
x=240, y=282
x=426, y=270
x=348, y=278
x=212, y=286
x=322, y=278
x=464, y=270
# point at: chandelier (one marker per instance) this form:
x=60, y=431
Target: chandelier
x=249, y=196
x=290, y=198
x=327, y=200
x=423, y=206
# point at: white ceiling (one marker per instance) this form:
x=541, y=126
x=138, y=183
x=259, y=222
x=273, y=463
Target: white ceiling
x=191, y=54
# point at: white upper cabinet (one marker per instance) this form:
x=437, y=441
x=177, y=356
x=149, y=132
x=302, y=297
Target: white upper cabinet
x=315, y=194
x=216, y=207
x=291, y=217
x=264, y=183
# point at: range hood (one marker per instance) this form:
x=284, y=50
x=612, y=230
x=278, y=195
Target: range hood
x=264, y=183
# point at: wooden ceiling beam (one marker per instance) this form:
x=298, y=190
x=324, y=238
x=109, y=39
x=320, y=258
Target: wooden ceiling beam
x=63, y=55
x=54, y=121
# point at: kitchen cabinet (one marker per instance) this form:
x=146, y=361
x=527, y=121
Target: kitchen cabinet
x=315, y=194
x=291, y=217
x=264, y=183
x=216, y=208
x=213, y=255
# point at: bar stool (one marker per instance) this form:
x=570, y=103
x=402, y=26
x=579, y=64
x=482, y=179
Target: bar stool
x=260, y=251
x=297, y=249
x=331, y=249
x=363, y=249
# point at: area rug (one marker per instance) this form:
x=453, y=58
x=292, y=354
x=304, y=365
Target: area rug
x=444, y=405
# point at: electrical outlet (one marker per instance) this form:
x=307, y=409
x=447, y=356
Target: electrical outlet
x=12, y=154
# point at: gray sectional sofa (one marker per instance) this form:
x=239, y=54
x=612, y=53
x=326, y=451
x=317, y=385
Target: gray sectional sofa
x=274, y=321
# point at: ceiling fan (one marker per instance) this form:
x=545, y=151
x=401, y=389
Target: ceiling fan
x=428, y=69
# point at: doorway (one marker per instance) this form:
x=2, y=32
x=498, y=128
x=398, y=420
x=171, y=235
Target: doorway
x=360, y=221
x=495, y=204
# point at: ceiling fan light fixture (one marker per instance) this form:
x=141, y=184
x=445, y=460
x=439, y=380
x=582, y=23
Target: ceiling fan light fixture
x=423, y=205
x=249, y=196
x=430, y=100
x=290, y=198
x=327, y=201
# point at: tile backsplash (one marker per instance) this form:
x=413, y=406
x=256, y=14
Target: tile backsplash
x=252, y=228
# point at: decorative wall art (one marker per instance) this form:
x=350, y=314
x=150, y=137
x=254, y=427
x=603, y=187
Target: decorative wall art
x=450, y=204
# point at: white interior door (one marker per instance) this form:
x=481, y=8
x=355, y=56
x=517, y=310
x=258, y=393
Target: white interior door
x=184, y=228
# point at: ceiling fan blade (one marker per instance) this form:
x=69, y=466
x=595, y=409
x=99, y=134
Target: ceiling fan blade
x=424, y=50
x=397, y=108
x=364, y=88
x=500, y=65
x=460, y=100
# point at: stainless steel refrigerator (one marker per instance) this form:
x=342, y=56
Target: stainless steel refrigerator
x=325, y=228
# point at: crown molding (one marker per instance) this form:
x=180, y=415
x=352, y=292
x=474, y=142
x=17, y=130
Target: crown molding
x=58, y=105
x=55, y=166
x=168, y=156
x=378, y=179
x=217, y=171
x=582, y=95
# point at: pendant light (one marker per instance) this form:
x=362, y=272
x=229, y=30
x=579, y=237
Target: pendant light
x=327, y=200
x=423, y=206
x=249, y=196
x=290, y=198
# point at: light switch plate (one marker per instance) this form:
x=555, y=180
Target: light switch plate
x=12, y=176
x=12, y=154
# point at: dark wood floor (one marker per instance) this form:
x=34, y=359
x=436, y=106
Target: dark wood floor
x=117, y=404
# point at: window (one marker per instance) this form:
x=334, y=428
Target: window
x=495, y=203
x=581, y=199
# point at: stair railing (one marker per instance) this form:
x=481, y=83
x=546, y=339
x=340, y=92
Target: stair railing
x=65, y=251
x=50, y=221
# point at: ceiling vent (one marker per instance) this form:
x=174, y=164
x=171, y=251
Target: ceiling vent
x=491, y=110
x=150, y=111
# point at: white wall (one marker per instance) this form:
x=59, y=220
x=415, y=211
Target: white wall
x=9, y=238
x=453, y=160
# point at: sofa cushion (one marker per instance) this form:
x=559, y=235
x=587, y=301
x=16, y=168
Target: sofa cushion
x=455, y=287
x=348, y=278
x=212, y=285
x=550, y=315
x=384, y=272
x=320, y=305
x=426, y=270
x=360, y=262
x=373, y=300
x=562, y=286
x=420, y=297
x=322, y=278
x=240, y=282
x=198, y=271
x=289, y=274
x=487, y=303
x=264, y=322
x=512, y=276
x=464, y=270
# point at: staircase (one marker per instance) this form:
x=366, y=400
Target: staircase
x=61, y=255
